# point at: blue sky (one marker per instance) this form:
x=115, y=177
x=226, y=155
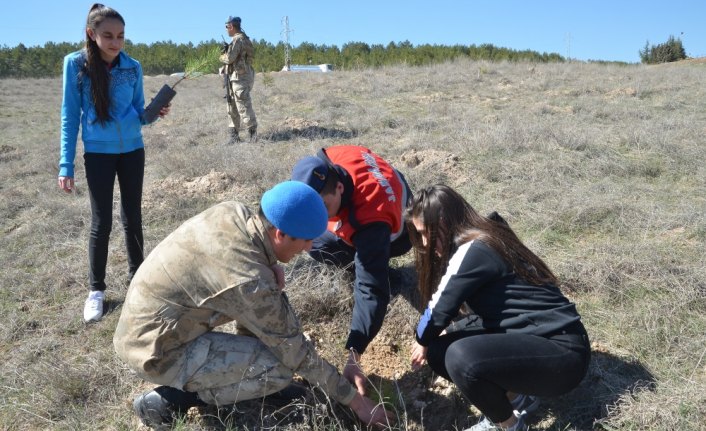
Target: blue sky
x=613, y=30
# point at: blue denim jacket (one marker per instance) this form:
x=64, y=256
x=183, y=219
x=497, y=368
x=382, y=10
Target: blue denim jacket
x=122, y=133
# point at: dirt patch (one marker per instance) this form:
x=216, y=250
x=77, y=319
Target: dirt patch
x=383, y=359
x=553, y=109
x=216, y=185
x=299, y=123
x=431, y=97
x=620, y=92
x=446, y=165
x=697, y=60
x=429, y=401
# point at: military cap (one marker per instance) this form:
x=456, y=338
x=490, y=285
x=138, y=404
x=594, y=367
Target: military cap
x=296, y=209
x=312, y=171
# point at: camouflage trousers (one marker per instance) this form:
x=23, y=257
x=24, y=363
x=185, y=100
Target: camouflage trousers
x=240, y=105
x=226, y=368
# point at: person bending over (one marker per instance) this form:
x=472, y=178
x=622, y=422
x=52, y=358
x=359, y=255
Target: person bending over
x=365, y=198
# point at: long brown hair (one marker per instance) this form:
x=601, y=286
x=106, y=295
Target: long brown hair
x=448, y=217
x=94, y=66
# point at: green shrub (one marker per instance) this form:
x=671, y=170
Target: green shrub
x=671, y=50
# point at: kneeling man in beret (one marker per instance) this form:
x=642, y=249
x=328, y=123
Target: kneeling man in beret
x=217, y=267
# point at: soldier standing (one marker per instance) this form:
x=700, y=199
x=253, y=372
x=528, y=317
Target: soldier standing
x=237, y=60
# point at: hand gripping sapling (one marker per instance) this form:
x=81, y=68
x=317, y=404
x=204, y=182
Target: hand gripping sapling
x=193, y=69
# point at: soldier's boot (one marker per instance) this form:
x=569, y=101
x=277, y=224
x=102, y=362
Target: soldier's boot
x=253, y=134
x=234, y=138
x=159, y=408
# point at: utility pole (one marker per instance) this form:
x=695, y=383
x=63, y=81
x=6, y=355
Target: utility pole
x=285, y=38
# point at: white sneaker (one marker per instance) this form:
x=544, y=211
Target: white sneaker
x=485, y=424
x=93, y=308
x=526, y=404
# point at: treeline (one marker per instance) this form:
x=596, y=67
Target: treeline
x=47, y=61
x=167, y=57
x=355, y=55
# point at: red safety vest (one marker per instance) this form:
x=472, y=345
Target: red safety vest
x=379, y=195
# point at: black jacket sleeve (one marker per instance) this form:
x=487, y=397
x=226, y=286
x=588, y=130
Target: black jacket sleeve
x=471, y=268
x=372, y=285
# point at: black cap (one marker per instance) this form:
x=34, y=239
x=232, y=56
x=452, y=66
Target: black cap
x=313, y=171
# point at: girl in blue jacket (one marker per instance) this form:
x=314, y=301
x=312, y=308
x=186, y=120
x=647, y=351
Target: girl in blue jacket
x=523, y=336
x=103, y=96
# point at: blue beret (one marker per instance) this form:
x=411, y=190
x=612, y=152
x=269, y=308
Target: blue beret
x=295, y=209
x=311, y=170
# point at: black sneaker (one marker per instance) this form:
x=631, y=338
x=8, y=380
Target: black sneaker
x=154, y=411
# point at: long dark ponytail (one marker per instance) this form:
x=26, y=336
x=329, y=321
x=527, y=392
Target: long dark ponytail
x=94, y=67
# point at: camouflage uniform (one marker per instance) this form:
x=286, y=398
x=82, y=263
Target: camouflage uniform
x=238, y=65
x=216, y=268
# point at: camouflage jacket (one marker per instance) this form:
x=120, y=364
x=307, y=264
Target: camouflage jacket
x=213, y=269
x=238, y=58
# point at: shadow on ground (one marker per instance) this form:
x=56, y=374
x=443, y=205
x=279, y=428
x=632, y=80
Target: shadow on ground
x=112, y=306
x=313, y=411
x=608, y=379
x=310, y=132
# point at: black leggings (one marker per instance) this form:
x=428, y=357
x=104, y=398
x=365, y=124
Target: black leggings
x=485, y=366
x=101, y=170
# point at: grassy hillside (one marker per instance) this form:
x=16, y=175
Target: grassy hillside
x=601, y=169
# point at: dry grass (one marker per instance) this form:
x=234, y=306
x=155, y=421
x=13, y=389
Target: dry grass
x=599, y=168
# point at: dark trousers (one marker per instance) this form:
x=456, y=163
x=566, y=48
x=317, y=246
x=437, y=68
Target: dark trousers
x=485, y=366
x=101, y=170
x=330, y=249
